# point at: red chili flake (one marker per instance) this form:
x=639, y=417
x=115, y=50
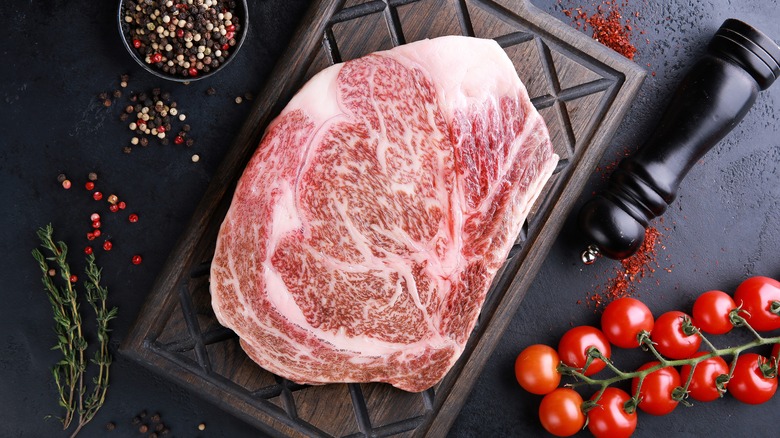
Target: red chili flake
x=95, y=224
x=97, y=196
x=89, y=185
x=107, y=245
x=631, y=271
x=136, y=259
x=121, y=205
x=133, y=218
x=609, y=26
x=97, y=233
x=74, y=278
x=88, y=250
x=137, y=43
x=113, y=208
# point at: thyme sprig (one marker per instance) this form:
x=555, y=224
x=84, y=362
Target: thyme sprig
x=74, y=393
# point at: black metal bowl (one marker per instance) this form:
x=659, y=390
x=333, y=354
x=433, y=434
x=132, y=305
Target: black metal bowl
x=241, y=10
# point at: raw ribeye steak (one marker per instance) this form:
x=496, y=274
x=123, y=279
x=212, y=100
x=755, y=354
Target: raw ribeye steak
x=365, y=231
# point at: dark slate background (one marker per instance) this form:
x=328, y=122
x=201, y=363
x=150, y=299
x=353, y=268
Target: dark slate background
x=58, y=55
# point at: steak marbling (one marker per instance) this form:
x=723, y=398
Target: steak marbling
x=365, y=231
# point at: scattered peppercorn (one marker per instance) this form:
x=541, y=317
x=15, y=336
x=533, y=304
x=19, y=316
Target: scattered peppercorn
x=52, y=272
x=88, y=250
x=107, y=245
x=210, y=91
x=97, y=233
x=92, y=176
x=202, y=426
x=74, y=278
x=113, y=199
x=127, y=149
x=61, y=178
x=121, y=205
x=195, y=158
x=107, y=103
x=133, y=218
x=110, y=426
x=94, y=217
x=239, y=100
x=66, y=184
x=136, y=260
x=97, y=196
x=143, y=428
x=89, y=185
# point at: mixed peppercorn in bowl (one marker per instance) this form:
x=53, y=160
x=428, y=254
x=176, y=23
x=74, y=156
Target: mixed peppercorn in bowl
x=183, y=40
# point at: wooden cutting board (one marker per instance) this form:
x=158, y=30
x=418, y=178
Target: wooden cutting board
x=582, y=90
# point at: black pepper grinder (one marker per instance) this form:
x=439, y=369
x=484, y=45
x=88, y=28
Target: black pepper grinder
x=711, y=99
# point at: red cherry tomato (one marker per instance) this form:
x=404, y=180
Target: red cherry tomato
x=608, y=418
x=711, y=312
x=623, y=319
x=560, y=412
x=703, y=385
x=748, y=384
x=536, y=369
x=756, y=295
x=656, y=392
x=669, y=338
x=573, y=348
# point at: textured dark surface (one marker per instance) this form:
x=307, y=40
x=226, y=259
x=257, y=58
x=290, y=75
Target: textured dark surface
x=59, y=55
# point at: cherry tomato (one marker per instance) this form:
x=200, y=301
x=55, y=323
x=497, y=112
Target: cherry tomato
x=669, y=338
x=703, y=386
x=623, y=319
x=536, y=369
x=560, y=412
x=656, y=392
x=748, y=383
x=574, y=344
x=756, y=295
x=711, y=312
x=608, y=418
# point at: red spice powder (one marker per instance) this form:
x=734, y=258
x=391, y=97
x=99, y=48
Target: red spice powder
x=609, y=26
x=631, y=272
